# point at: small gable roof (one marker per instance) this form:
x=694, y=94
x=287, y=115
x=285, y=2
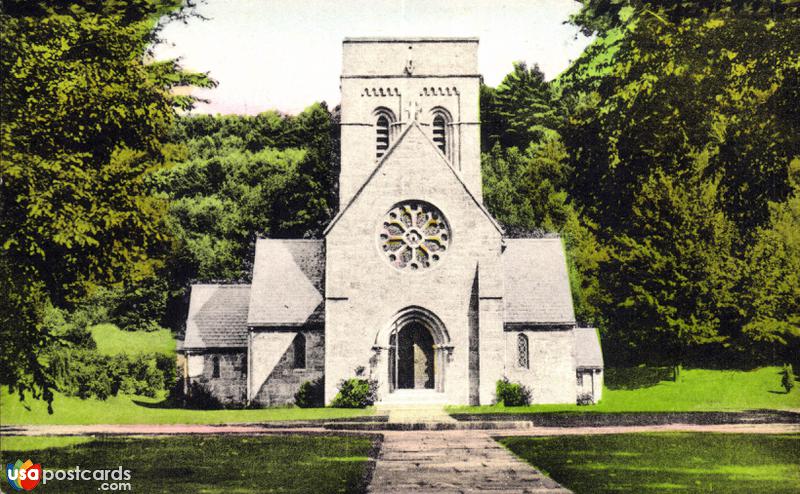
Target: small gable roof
x=288, y=283
x=389, y=152
x=588, y=354
x=536, y=283
x=217, y=317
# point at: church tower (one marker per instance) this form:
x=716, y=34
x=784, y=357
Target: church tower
x=389, y=83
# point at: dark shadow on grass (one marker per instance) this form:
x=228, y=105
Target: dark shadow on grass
x=163, y=404
x=636, y=377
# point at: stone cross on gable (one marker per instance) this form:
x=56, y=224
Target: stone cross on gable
x=413, y=111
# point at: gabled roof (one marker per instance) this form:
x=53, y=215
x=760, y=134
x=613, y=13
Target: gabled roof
x=398, y=142
x=588, y=353
x=217, y=317
x=288, y=283
x=537, y=289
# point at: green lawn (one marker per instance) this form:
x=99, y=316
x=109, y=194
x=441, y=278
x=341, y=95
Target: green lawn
x=140, y=410
x=113, y=341
x=696, y=390
x=666, y=462
x=208, y=464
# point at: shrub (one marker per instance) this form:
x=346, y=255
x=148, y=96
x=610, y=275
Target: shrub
x=512, y=394
x=356, y=393
x=788, y=378
x=311, y=394
x=585, y=399
x=200, y=397
x=88, y=374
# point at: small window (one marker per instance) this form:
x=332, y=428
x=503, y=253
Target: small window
x=440, y=133
x=580, y=378
x=300, y=351
x=522, y=351
x=215, y=367
x=382, y=136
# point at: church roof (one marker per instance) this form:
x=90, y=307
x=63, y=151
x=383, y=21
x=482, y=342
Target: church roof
x=288, y=283
x=217, y=317
x=397, y=142
x=537, y=290
x=588, y=354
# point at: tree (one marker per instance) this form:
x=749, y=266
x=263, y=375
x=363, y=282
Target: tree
x=680, y=124
x=526, y=192
x=673, y=284
x=773, y=275
x=85, y=124
x=521, y=110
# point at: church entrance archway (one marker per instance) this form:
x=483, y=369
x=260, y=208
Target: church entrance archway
x=418, y=348
x=411, y=362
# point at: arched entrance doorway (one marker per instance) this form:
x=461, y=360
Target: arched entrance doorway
x=411, y=358
x=413, y=352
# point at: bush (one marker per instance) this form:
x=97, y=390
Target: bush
x=356, y=393
x=788, y=378
x=201, y=398
x=585, y=399
x=88, y=374
x=311, y=394
x=512, y=394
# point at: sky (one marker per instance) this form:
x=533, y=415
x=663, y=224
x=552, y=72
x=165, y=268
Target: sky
x=286, y=54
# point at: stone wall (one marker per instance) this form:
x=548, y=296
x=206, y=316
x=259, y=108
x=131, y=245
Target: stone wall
x=231, y=385
x=273, y=353
x=551, y=371
x=590, y=382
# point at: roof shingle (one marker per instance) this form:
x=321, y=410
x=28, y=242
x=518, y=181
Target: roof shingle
x=588, y=353
x=288, y=283
x=537, y=287
x=217, y=317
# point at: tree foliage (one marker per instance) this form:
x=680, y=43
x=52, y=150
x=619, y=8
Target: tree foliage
x=242, y=177
x=679, y=130
x=85, y=125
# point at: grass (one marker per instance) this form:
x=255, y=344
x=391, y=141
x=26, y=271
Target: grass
x=125, y=409
x=695, y=390
x=113, y=341
x=666, y=462
x=208, y=464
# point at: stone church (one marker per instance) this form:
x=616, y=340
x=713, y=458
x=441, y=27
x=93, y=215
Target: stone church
x=413, y=281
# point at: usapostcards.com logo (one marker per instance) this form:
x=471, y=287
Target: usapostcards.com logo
x=23, y=476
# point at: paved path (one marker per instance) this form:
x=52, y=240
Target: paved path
x=159, y=429
x=453, y=461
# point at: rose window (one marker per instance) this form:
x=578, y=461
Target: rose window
x=414, y=235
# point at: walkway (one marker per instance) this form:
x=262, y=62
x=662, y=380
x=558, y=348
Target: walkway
x=453, y=461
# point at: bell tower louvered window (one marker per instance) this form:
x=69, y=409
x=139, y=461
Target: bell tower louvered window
x=440, y=133
x=382, y=136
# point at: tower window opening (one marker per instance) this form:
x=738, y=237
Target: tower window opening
x=382, y=136
x=440, y=133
